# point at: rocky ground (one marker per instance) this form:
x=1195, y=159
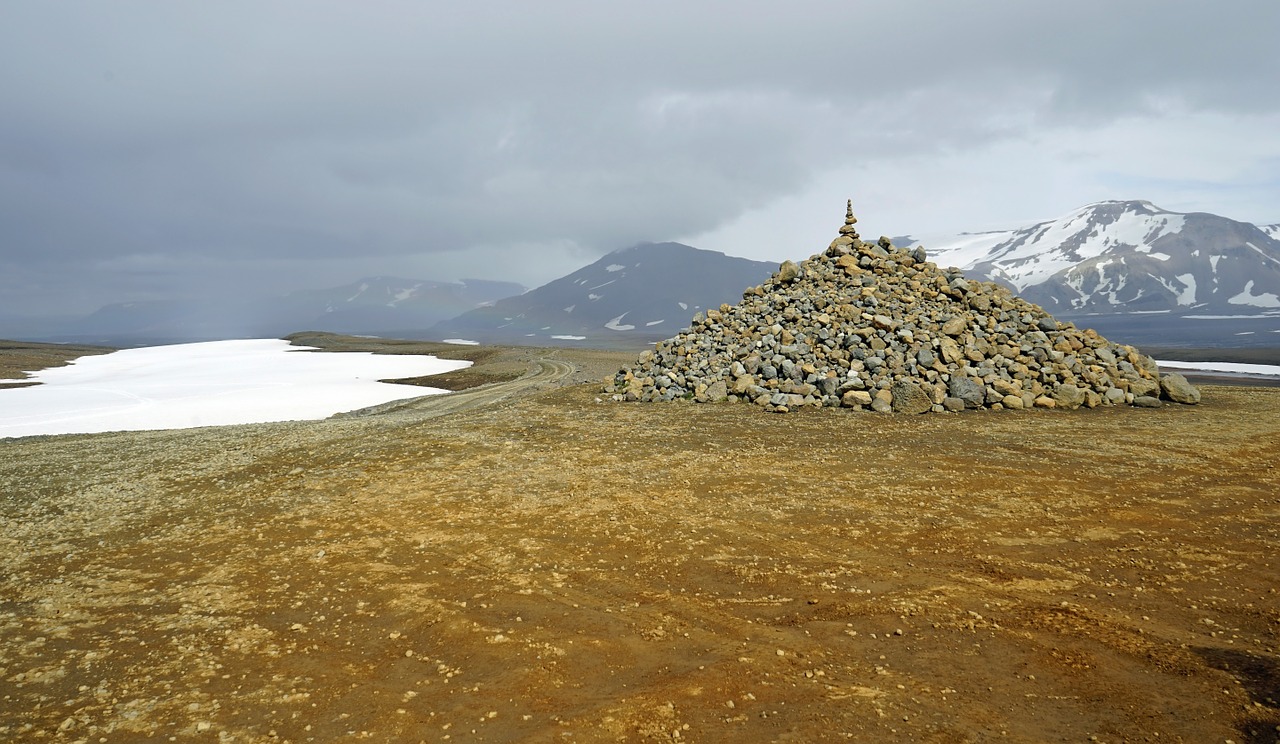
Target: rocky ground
x=19, y=357
x=537, y=565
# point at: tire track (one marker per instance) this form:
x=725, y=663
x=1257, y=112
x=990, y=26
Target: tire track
x=546, y=373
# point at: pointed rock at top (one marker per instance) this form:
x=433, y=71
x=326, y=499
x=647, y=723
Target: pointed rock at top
x=871, y=325
x=848, y=230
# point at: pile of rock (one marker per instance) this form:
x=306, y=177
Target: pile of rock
x=872, y=326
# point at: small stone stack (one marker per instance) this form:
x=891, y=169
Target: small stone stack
x=873, y=326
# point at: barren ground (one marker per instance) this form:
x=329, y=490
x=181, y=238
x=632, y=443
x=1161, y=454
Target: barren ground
x=545, y=567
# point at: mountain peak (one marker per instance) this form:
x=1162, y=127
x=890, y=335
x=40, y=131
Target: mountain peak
x=634, y=294
x=1131, y=257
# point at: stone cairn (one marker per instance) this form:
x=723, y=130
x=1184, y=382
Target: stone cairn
x=873, y=326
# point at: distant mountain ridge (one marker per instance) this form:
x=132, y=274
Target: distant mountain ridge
x=1109, y=263
x=382, y=303
x=643, y=293
x=371, y=305
x=1130, y=269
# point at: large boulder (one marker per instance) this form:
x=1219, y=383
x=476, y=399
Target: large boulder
x=1176, y=388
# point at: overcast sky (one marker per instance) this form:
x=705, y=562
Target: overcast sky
x=157, y=149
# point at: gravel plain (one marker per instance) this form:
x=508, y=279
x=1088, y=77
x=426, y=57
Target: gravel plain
x=541, y=565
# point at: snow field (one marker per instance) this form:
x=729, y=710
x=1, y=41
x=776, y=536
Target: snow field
x=208, y=384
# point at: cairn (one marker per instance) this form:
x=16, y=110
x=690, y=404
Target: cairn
x=873, y=326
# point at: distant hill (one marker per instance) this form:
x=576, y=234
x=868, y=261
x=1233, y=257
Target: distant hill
x=376, y=305
x=387, y=303
x=631, y=296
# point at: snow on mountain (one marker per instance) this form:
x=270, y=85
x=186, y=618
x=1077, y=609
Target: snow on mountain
x=1126, y=257
x=394, y=304
x=646, y=292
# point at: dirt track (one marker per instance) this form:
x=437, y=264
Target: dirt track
x=547, y=567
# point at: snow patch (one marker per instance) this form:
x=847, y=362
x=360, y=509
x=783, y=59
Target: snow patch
x=1188, y=295
x=570, y=308
x=1247, y=297
x=568, y=338
x=655, y=322
x=614, y=267
x=594, y=297
x=617, y=325
x=682, y=306
x=403, y=295
x=215, y=383
x=1263, y=370
x=460, y=341
x=1161, y=256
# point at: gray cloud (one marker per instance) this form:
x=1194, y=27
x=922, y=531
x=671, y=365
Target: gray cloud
x=151, y=148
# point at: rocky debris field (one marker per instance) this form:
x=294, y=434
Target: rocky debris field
x=550, y=566
x=872, y=326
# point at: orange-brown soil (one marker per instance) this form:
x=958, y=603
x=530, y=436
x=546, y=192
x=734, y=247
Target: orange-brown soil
x=547, y=567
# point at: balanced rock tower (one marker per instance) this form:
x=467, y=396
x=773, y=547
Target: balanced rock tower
x=872, y=326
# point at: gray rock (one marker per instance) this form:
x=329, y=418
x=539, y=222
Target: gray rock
x=1143, y=387
x=972, y=392
x=714, y=393
x=1176, y=388
x=953, y=404
x=1146, y=401
x=789, y=271
x=1069, y=397
x=909, y=397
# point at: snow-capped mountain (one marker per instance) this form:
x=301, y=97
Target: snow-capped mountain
x=1128, y=258
x=646, y=292
x=1271, y=230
